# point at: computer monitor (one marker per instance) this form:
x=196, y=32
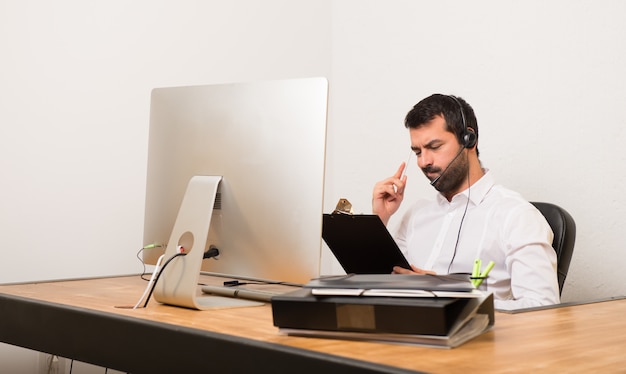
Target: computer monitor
x=265, y=141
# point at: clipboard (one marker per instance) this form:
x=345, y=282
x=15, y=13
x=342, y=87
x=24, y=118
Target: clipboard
x=361, y=243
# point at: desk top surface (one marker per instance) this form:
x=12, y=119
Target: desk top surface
x=587, y=337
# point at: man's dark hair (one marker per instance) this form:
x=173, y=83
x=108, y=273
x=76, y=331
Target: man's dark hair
x=447, y=107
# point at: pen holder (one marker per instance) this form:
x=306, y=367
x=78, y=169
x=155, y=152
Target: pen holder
x=480, y=283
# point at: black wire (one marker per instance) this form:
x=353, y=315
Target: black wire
x=458, y=235
x=144, y=265
x=159, y=275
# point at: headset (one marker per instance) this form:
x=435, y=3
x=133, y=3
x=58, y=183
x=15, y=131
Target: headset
x=469, y=138
x=468, y=141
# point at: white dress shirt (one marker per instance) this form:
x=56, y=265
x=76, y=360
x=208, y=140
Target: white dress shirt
x=500, y=226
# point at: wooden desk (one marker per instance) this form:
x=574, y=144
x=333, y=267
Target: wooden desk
x=79, y=319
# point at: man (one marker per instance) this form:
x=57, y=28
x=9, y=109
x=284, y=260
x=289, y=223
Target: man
x=472, y=217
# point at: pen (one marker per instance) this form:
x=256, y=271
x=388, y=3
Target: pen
x=476, y=271
x=406, y=165
x=485, y=272
x=239, y=293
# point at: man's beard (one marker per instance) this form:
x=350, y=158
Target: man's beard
x=451, y=178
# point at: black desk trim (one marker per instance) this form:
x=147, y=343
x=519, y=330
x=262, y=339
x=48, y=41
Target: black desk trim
x=136, y=345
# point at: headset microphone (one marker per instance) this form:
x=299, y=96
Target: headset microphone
x=447, y=167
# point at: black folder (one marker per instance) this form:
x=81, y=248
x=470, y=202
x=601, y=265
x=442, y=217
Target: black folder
x=361, y=243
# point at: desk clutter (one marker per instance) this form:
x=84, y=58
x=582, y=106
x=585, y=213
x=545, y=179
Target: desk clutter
x=441, y=311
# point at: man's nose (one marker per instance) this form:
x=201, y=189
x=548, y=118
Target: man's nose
x=424, y=159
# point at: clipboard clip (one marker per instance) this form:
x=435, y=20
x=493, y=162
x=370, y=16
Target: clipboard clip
x=343, y=207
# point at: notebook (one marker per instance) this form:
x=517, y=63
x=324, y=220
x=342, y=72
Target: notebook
x=361, y=243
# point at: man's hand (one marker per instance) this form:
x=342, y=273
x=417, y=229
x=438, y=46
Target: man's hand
x=414, y=270
x=388, y=195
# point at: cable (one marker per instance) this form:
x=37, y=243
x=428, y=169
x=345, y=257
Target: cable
x=51, y=362
x=149, y=246
x=154, y=274
x=252, y=279
x=212, y=252
x=159, y=275
x=458, y=235
x=143, y=272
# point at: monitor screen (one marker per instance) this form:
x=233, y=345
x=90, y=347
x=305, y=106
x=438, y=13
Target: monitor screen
x=266, y=140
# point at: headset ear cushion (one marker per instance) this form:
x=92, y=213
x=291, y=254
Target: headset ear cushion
x=470, y=139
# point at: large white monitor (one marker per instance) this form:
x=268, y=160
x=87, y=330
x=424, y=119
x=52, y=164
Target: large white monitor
x=266, y=140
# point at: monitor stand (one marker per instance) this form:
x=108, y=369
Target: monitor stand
x=178, y=282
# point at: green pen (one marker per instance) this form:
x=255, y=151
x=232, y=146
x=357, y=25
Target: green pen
x=476, y=271
x=484, y=274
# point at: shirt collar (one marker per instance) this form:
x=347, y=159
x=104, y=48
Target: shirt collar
x=476, y=192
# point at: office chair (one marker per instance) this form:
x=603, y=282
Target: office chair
x=564, y=229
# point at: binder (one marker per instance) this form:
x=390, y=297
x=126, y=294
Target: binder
x=434, y=321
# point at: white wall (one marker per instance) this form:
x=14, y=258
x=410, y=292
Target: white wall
x=545, y=78
x=548, y=85
x=74, y=105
